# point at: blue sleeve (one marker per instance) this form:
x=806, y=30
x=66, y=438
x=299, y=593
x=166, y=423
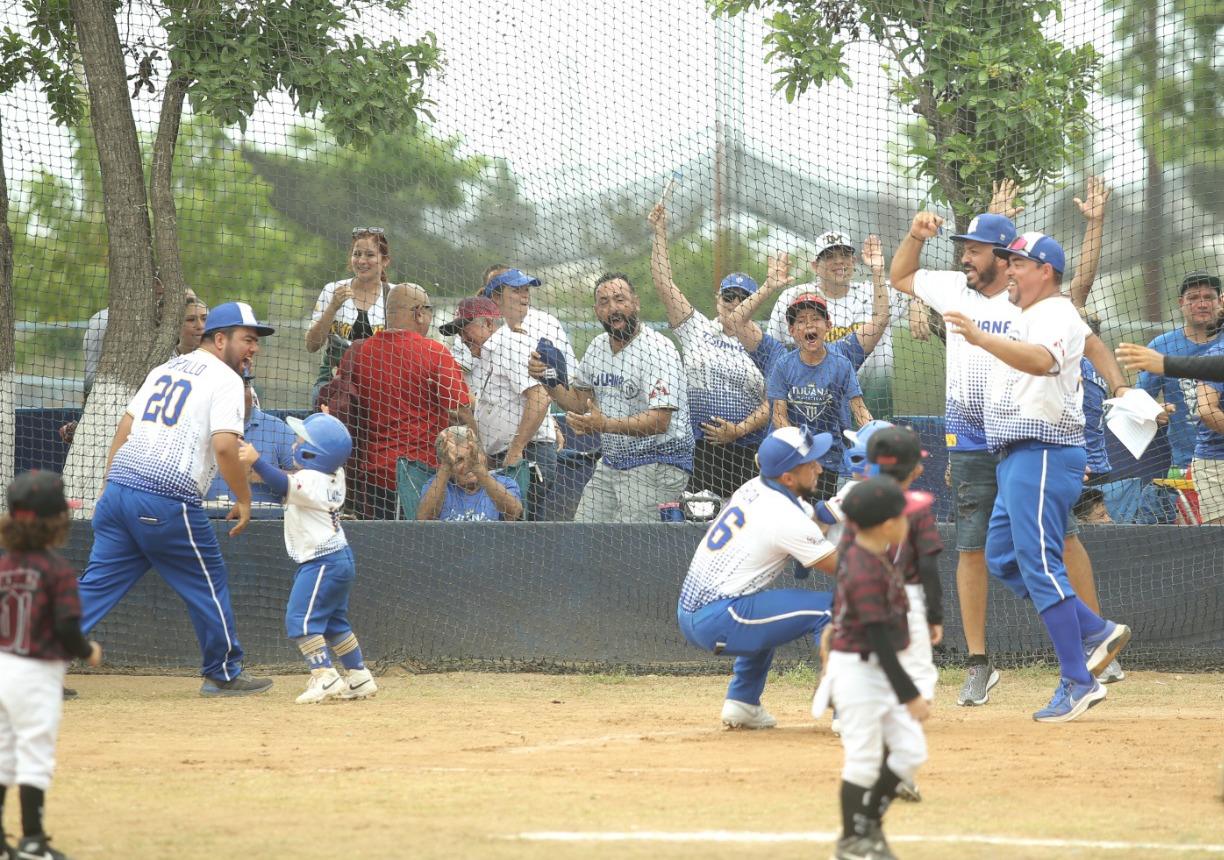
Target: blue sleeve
x=850, y=348
x=511, y=485
x=777, y=386
x=1150, y=382
x=853, y=389
x=767, y=353
x=277, y=481
x=284, y=448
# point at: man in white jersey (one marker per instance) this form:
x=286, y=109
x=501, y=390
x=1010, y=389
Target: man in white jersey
x=724, y=606
x=184, y=422
x=1034, y=420
x=629, y=388
x=979, y=290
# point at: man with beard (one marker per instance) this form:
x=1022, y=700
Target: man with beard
x=184, y=422
x=630, y=388
x=979, y=291
x=1034, y=420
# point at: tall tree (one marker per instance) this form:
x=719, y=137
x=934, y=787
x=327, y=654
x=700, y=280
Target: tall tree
x=222, y=57
x=1170, y=66
x=996, y=99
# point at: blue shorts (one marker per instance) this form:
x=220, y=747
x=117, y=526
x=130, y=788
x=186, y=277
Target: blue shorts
x=974, y=486
x=318, y=602
x=1038, y=484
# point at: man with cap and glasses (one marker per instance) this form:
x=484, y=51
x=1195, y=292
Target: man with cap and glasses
x=979, y=290
x=725, y=604
x=400, y=389
x=1034, y=421
x=184, y=423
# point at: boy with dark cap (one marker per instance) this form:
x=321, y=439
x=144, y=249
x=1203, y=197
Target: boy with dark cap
x=880, y=708
x=38, y=591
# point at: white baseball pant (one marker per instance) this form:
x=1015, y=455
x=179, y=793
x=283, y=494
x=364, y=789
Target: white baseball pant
x=872, y=719
x=31, y=703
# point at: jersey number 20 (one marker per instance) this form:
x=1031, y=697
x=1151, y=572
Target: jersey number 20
x=723, y=530
x=166, y=403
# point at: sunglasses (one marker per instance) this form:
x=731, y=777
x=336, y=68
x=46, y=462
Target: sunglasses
x=373, y=231
x=733, y=295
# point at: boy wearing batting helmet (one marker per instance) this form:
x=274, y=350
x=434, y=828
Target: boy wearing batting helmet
x=880, y=707
x=316, y=618
x=40, y=633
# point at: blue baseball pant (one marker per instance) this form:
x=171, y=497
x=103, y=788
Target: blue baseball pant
x=1038, y=484
x=135, y=531
x=749, y=628
x=318, y=601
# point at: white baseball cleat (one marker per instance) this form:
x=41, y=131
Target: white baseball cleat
x=360, y=685
x=323, y=686
x=741, y=715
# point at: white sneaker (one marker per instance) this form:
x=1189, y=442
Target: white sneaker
x=360, y=685
x=323, y=686
x=741, y=715
x=1113, y=673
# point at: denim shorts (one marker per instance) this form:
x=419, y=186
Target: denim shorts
x=974, y=485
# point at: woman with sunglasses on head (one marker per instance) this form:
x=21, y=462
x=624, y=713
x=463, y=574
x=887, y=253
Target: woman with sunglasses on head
x=353, y=308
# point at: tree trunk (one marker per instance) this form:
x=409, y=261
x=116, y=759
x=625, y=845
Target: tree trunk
x=165, y=218
x=7, y=349
x=133, y=304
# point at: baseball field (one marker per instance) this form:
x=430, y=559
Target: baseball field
x=603, y=766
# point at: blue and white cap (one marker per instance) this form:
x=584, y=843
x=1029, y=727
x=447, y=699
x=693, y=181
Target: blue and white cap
x=788, y=447
x=509, y=278
x=990, y=229
x=1037, y=247
x=738, y=281
x=232, y=314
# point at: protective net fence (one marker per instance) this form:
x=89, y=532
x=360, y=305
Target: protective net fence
x=594, y=259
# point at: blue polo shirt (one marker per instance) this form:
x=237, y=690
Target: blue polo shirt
x=273, y=440
x=1184, y=423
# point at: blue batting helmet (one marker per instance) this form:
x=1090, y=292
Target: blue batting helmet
x=854, y=458
x=326, y=442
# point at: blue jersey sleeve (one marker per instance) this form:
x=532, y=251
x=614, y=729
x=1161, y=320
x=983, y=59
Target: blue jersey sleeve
x=767, y=354
x=853, y=389
x=277, y=481
x=778, y=385
x=850, y=348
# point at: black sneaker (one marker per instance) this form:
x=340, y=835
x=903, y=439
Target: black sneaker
x=69, y=693
x=244, y=684
x=36, y=848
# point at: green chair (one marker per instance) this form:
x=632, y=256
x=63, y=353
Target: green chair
x=411, y=476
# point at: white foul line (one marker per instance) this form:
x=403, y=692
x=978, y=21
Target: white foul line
x=757, y=837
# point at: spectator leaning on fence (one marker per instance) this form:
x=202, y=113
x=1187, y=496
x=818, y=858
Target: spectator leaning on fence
x=1199, y=302
x=629, y=388
x=354, y=308
x=511, y=407
x=850, y=307
x=464, y=489
x=399, y=389
x=270, y=436
x=726, y=391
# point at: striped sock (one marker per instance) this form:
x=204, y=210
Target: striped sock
x=314, y=649
x=348, y=651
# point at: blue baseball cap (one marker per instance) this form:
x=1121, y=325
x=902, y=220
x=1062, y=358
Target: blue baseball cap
x=234, y=314
x=738, y=281
x=990, y=229
x=1037, y=247
x=788, y=447
x=509, y=278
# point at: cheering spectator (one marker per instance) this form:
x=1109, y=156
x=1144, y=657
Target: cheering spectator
x=511, y=407
x=815, y=388
x=463, y=488
x=400, y=390
x=270, y=436
x=352, y=309
x=851, y=306
x=726, y=391
x=1199, y=301
x=629, y=387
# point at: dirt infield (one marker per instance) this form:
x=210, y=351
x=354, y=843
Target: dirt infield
x=462, y=765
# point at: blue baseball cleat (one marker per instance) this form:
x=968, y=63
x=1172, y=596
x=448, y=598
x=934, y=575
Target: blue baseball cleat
x=1070, y=701
x=1100, y=650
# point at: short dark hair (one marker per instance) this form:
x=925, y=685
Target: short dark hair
x=34, y=534
x=614, y=276
x=489, y=270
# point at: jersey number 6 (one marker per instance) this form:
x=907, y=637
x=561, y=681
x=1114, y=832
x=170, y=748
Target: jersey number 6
x=723, y=530
x=166, y=403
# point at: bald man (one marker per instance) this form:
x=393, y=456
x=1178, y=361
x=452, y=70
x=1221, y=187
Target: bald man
x=404, y=389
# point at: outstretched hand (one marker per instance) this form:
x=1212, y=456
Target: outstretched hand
x=873, y=252
x=959, y=323
x=778, y=272
x=1092, y=206
x=1003, y=198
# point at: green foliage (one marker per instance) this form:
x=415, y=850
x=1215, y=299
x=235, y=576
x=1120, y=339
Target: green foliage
x=234, y=243
x=996, y=98
x=327, y=189
x=43, y=58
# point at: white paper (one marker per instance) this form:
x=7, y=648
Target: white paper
x=1132, y=418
